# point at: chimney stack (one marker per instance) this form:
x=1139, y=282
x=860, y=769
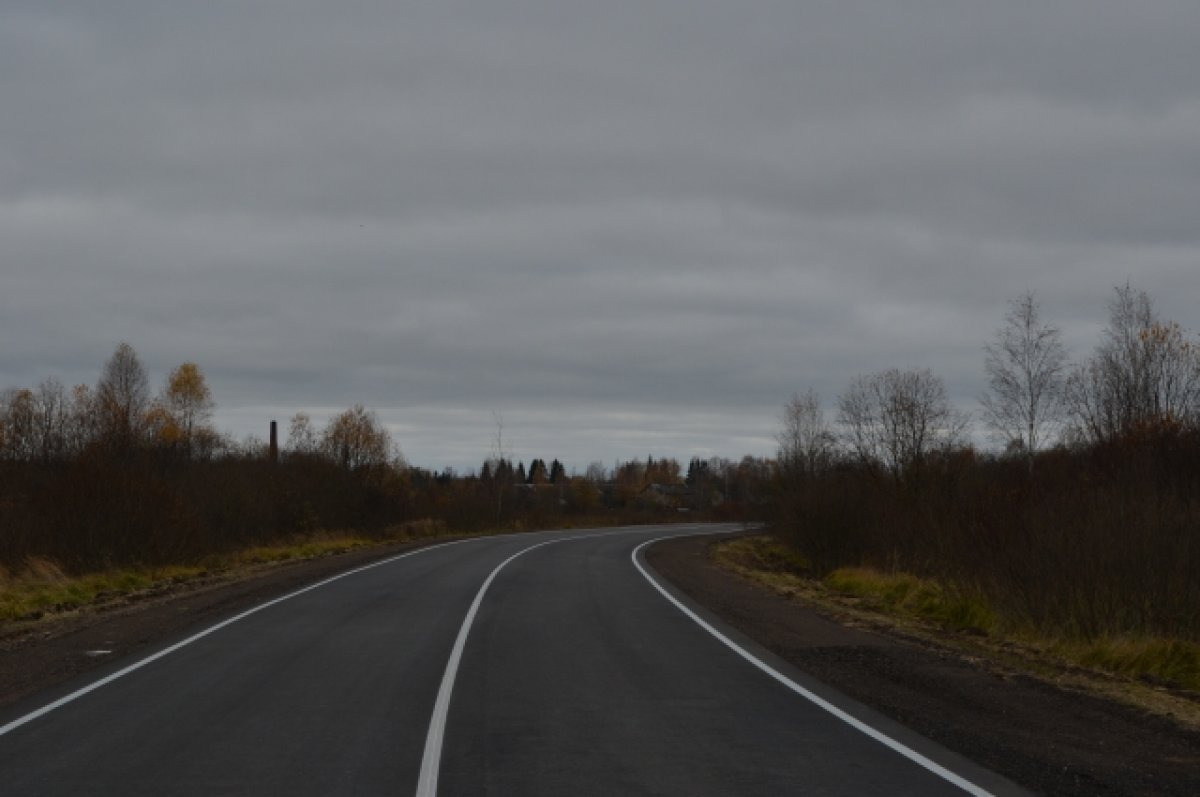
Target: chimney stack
x=274, y=443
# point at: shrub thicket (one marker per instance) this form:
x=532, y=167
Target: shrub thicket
x=1095, y=541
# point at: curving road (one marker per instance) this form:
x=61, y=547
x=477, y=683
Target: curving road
x=535, y=664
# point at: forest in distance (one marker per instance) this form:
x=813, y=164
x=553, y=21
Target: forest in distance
x=115, y=476
x=1082, y=522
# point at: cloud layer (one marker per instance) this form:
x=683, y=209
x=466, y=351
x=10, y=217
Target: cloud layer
x=628, y=227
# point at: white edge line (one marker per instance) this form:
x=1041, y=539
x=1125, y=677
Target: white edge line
x=855, y=723
x=137, y=665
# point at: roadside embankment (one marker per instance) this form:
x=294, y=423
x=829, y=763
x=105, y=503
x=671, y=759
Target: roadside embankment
x=1046, y=729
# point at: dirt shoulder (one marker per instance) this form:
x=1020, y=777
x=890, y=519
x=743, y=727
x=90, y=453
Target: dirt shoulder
x=1050, y=739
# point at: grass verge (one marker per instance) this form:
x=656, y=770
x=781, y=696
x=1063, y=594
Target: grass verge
x=42, y=589
x=1154, y=674
x=902, y=593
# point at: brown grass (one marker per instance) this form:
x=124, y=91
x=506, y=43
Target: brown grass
x=1151, y=673
x=42, y=588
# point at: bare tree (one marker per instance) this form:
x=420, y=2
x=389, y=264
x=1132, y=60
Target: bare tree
x=82, y=420
x=806, y=441
x=1144, y=372
x=123, y=396
x=596, y=473
x=34, y=424
x=895, y=419
x=18, y=425
x=499, y=464
x=51, y=419
x=500, y=452
x=302, y=438
x=1026, y=365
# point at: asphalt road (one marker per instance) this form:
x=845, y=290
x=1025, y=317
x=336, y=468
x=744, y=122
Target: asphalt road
x=538, y=664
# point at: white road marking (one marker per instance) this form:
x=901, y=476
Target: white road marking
x=137, y=665
x=907, y=752
x=432, y=757
x=431, y=760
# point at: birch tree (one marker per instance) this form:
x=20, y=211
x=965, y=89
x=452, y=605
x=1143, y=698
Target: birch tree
x=806, y=441
x=189, y=403
x=1026, y=366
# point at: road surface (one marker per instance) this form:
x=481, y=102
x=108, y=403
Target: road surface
x=535, y=664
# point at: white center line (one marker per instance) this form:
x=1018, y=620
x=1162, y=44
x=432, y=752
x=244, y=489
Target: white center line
x=431, y=760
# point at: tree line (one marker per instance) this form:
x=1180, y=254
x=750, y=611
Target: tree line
x=119, y=418
x=118, y=474
x=1084, y=520
x=1142, y=378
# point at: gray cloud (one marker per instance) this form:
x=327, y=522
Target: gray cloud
x=628, y=226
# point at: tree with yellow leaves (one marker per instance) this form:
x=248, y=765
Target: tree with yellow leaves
x=356, y=439
x=184, y=408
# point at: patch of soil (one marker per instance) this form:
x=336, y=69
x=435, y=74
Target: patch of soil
x=38, y=655
x=1044, y=738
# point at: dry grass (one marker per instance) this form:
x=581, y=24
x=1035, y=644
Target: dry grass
x=308, y=547
x=1168, y=661
x=42, y=588
x=1155, y=674
x=902, y=593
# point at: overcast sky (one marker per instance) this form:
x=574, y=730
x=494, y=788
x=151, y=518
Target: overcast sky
x=626, y=227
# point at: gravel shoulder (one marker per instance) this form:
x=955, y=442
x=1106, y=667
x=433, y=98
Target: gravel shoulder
x=1048, y=739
